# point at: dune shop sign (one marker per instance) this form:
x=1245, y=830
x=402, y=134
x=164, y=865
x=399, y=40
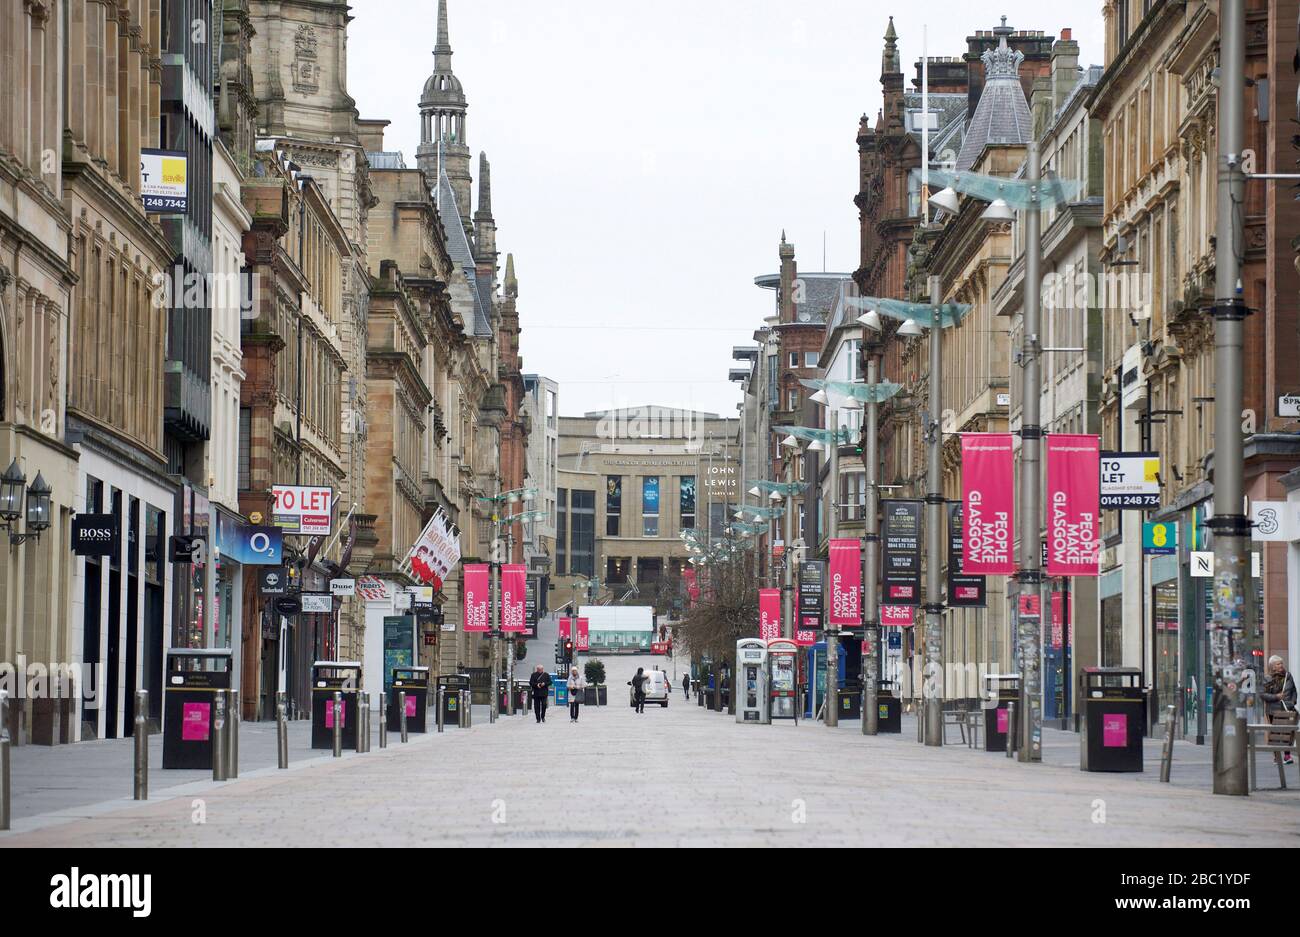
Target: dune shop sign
x=901, y=556
x=987, y=480
x=302, y=509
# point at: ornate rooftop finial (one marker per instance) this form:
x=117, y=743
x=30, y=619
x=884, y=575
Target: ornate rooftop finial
x=889, y=62
x=1002, y=62
x=511, y=283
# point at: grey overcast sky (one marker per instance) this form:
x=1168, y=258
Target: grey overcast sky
x=646, y=157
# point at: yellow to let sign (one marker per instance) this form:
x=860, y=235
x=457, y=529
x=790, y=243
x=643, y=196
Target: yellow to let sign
x=1151, y=470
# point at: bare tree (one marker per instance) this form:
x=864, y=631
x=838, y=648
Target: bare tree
x=726, y=612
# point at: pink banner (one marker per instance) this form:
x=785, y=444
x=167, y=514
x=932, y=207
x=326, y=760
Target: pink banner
x=1062, y=603
x=846, y=583
x=564, y=627
x=476, y=597
x=514, y=582
x=1073, y=505
x=896, y=615
x=692, y=587
x=584, y=635
x=769, y=614
x=988, y=496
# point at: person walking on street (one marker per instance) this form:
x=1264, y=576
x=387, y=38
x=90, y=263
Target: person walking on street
x=1279, y=695
x=540, y=683
x=577, y=686
x=686, y=685
x=637, y=683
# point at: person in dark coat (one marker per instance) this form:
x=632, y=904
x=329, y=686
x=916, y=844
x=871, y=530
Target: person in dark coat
x=686, y=685
x=637, y=683
x=540, y=683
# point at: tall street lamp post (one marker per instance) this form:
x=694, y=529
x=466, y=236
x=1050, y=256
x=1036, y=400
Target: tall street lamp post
x=1230, y=527
x=1032, y=195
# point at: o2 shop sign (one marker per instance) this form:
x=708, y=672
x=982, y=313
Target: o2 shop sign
x=303, y=509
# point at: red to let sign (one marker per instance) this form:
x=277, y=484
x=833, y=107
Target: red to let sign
x=302, y=509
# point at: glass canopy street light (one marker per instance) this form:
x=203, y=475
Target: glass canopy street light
x=1033, y=195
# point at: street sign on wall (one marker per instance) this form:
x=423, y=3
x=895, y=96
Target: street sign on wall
x=1130, y=480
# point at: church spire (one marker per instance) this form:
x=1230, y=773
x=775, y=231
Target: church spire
x=442, y=51
x=485, y=227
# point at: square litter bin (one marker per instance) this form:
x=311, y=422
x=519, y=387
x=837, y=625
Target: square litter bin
x=414, y=682
x=451, y=684
x=194, y=677
x=1113, y=717
x=889, y=709
x=327, y=678
x=1001, y=689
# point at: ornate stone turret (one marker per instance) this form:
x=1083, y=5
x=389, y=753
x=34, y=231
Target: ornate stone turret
x=485, y=227
x=442, y=119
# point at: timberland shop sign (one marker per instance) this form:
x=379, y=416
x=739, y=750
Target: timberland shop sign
x=303, y=509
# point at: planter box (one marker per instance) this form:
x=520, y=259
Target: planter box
x=602, y=696
x=589, y=696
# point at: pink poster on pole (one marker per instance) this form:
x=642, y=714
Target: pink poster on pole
x=514, y=582
x=476, y=597
x=896, y=615
x=565, y=627
x=846, y=583
x=1073, y=505
x=988, y=498
x=195, y=722
x=769, y=614
x=583, y=643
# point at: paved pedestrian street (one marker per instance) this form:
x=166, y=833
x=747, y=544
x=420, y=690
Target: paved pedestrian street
x=681, y=776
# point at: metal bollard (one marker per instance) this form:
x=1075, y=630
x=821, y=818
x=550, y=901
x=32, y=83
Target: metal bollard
x=281, y=731
x=383, y=720
x=440, y=714
x=140, y=735
x=1012, y=734
x=220, y=751
x=401, y=714
x=1167, y=755
x=337, y=703
x=462, y=711
x=232, y=732
x=4, y=759
x=362, y=706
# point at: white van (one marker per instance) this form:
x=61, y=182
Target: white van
x=656, y=687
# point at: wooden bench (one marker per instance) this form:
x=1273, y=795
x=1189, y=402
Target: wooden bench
x=1252, y=748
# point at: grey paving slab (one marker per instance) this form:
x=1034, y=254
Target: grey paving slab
x=684, y=776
